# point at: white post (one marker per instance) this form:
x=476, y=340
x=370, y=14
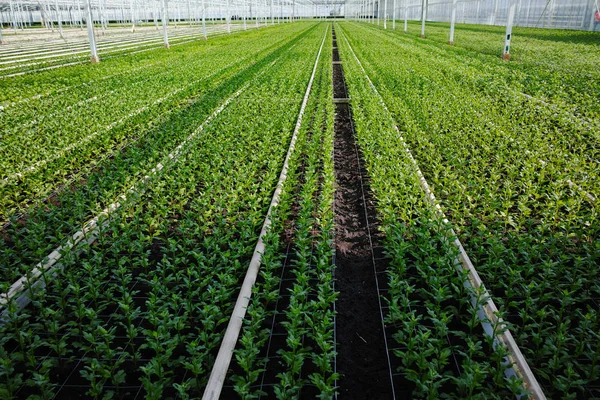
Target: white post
x=204, y=20
x=550, y=14
x=228, y=17
x=494, y=12
x=59, y=21
x=452, y=22
x=378, y=11
x=384, y=14
x=90, y=28
x=423, y=17
x=132, y=16
x=394, y=17
x=509, y=24
x=13, y=18
x=78, y=13
x=21, y=18
x=272, y=16
x=189, y=12
x=175, y=13
x=49, y=16
x=155, y=12
x=405, y=16
x=101, y=11
x=165, y=22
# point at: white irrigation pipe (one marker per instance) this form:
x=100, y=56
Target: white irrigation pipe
x=219, y=370
x=487, y=312
x=91, y=227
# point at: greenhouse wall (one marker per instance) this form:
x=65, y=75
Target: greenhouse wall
x=561, y=14
x=31, y=13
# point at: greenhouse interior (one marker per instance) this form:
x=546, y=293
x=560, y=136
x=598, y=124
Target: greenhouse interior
x=299, y=199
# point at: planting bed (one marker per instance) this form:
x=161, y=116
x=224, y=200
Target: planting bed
x=423, y=220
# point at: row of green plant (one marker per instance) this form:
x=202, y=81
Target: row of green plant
x=518, y=183
x=49, y=223
x=46, y=58
x=299, y=249
x=146, y=304
x=49, y=141
x=35, y=86
x=556, y=65
x=439, y=346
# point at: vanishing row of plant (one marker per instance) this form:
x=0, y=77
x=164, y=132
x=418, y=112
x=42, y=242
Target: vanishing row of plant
x=31, y=87
x=143, y=308
x=439, y=345
x=49, y=223
x=286, y=349
x=52, y=139
x=44, y=57
x=519, y=188
x=555, y=65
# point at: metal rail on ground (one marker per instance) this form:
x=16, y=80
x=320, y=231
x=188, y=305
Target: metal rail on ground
x=221, y=365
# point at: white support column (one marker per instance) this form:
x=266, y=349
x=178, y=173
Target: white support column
x=405, y=16
x=384, y=14
x=272, y=16
x=165, y=22
x=155, y=15
x=60, y=30
x=13, y=17
x=101, y=12
x=394, y=16
x=78, y=13
x=204, y=19
x=423, y=17
x=494, y=12
x=132, y=16
x=228, y=17
x=509, y=24
x=550, y=7
x=189, y=12
x=21, y=20
x=452, y=22
x=89, y=20
x=49, y=17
